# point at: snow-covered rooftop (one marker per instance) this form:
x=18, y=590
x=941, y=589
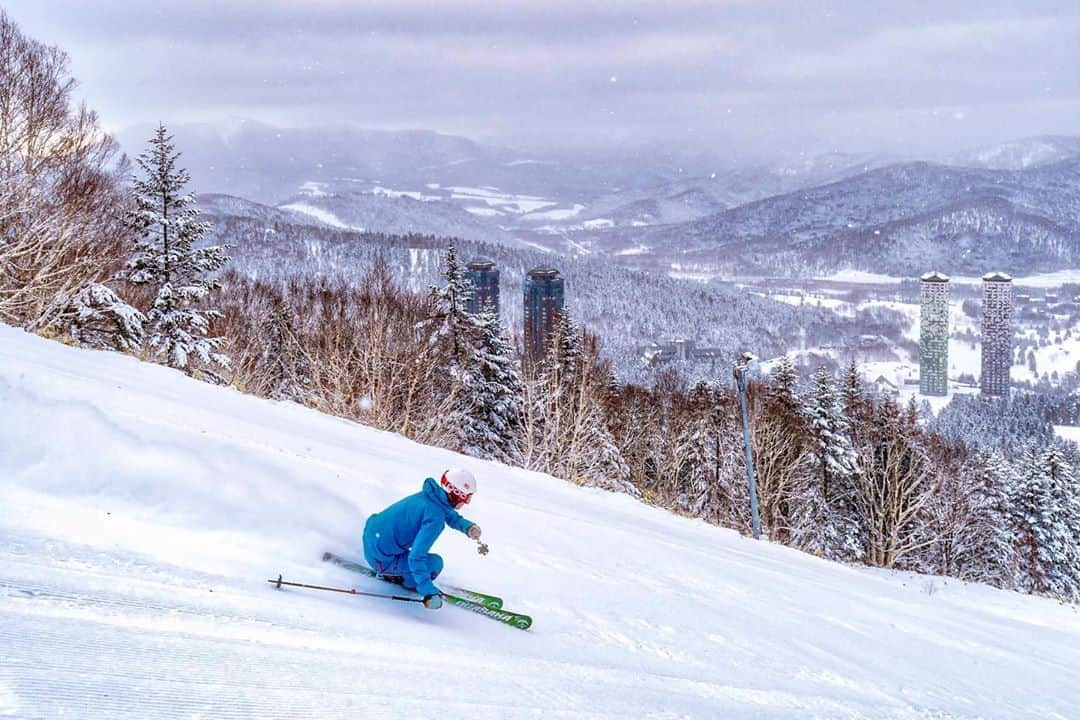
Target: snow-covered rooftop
x=544, y=272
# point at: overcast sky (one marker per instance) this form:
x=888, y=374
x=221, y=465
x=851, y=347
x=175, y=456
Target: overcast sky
x=906, y=76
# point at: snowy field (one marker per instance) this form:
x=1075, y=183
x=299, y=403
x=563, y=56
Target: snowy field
x=323, y=216
x=141, y=514
x=1069, y=432
x=1042, y=280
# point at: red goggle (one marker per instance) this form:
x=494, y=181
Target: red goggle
x=456, y=496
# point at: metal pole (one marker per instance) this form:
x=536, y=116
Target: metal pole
x=740, y=380
x=348, y=591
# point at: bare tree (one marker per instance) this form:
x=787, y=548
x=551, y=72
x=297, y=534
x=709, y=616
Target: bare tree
x=60, y=228
x=783, y=459
x=894, y=483
x=565, y=413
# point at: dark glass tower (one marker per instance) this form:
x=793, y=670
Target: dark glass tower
x=485, y=281
x=543, y=307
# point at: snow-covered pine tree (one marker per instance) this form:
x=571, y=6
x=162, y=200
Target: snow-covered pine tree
x=640, y=424
x=990, y=548
x=565, y=350
x=786, y=448
x=1032, y=519
x=828, y=427
x=785, y=379
x=452, y=322
x=694, y=463
x=969, y=524
x=717, y=491
x=853, y=397
x=96, y=317
x=836, y=461
x=1046, y=506
x=852, y=387
x=487, y=418
x=451, y=338
x=708, y=475
x=911, y=412
x=166, y=259
x=828, y=530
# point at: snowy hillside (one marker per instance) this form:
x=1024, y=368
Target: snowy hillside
x=899, y=219
x=1019, y=154
x=142, y=512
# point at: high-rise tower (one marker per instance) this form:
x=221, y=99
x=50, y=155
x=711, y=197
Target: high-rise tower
x=543, y=308
x=485, y=280
x=934, y=334
x=996, y=334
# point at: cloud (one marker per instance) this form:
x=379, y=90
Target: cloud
x=767, y=73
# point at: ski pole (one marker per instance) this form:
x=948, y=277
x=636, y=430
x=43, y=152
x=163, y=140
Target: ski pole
x=348, y=591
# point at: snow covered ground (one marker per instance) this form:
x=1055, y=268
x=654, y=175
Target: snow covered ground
x=496, y=198
x=562, y=213
x=1042, y=280
x=1069, y=432
x=141, y=514
x=862, y=277
x=323, y=216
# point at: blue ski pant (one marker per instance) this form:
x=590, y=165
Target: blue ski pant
x=398, y=566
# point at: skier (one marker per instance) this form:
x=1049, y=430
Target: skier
x=398, y=540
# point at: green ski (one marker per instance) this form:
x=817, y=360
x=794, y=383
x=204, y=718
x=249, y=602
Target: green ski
x=513, y=619
x=489, y=601
x=486, y=605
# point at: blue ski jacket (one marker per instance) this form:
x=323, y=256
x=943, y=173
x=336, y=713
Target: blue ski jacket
x=412, y=525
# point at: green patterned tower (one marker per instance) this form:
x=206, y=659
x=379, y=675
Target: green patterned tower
x=934, y=334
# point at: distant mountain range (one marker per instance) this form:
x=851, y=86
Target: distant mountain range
x=1018, y=154
x=270, y=164
x=687, y=199
x=900, y=219
x=1013, y=206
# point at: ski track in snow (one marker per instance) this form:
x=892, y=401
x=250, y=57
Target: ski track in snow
x=141, y=514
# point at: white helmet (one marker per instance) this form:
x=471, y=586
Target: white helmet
x=459, y=484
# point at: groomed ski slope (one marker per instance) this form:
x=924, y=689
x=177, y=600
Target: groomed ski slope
x=141, y=514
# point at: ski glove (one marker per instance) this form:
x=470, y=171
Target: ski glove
x=473, y=532
x=433, y=602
